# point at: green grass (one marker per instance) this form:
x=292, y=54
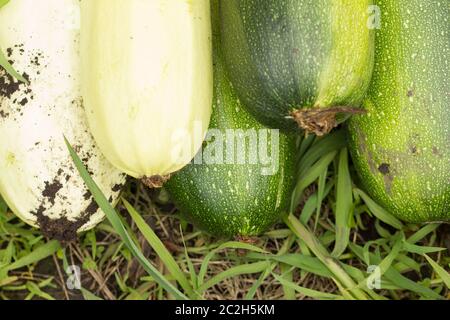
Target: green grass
x=322, y=250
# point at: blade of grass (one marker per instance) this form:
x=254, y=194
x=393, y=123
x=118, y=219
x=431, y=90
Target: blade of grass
x=385, y=264
x=289, y=292
x=308, y=178
x=300, y=261
x=305, y=145
x=332, y=142
x=445, y=276
x=34, y=289
x=400, y=281
x=8, y=254
x=3, y=3
x=4, y=63
x=412, y=248
x=396, y=278
x=423, y=232
x=7, y=281
x=316, y=247
x=87, y=295
x=312, y=204
x=305, y=291
x=345, y=293
x=190, y=265
x=408, y=263
x=8, y=67
x=321, y=185
x=40, y=253
x=382, y=231
x=114, y=219
x=252, y=291
x=3, y=206
x=251, y=268
x=344, y=201
x=378, y=211
x=226, y=245
x=160, y=249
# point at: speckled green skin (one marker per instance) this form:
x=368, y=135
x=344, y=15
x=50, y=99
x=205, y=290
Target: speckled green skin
x=285, y=55
x=234, y=200
x=401, y=148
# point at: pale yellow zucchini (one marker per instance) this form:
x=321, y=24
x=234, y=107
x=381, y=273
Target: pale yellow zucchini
x=147, y=81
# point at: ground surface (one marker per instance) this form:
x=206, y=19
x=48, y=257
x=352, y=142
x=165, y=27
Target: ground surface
x=287, y=262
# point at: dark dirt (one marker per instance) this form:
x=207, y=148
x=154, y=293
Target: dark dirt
x=35, y=60
x=385, y=169
x=61, y=229
x=87, y=195
x=91, y=209
x=23, y=102
x=117, y=187
x=8, y=85
x=85, y=157
x=51, y=189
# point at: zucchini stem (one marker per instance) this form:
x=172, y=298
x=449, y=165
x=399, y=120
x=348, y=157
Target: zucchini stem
x=155, y=182
x=321, y=121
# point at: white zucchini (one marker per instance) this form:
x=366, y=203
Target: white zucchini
x=147, y=81
x=37, y=177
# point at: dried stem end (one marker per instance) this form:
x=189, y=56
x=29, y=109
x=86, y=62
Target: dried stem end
x=321, y=121
x=246, y=239
x=155, y=182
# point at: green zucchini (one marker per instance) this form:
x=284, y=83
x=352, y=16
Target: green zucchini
x=235, y=198
x=401, y=148
x=299, y=60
